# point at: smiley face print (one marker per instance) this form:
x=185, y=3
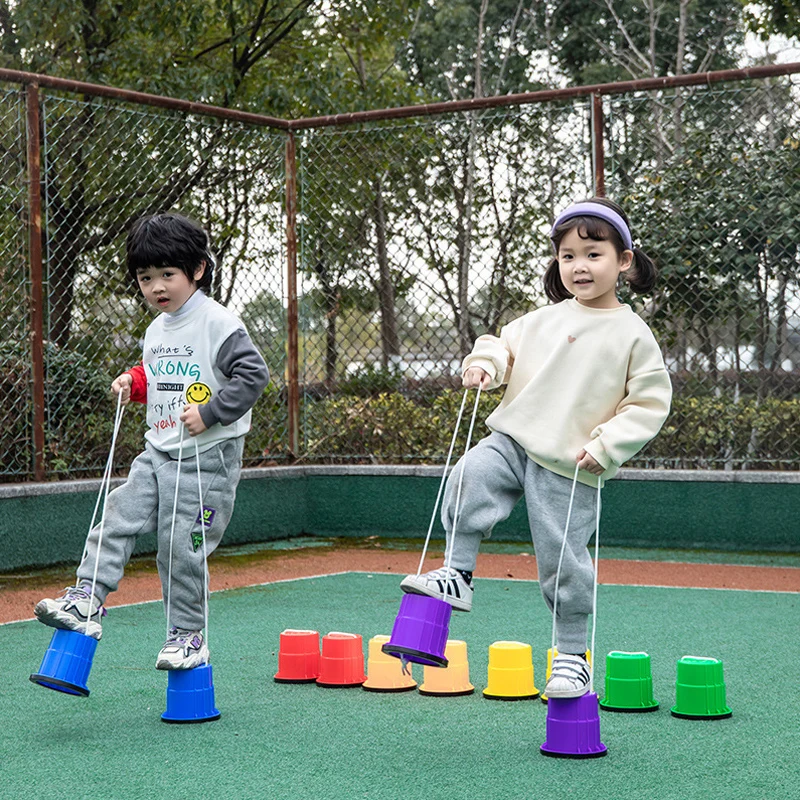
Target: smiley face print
x=198, y=393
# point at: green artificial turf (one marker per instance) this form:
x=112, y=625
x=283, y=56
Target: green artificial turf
x=303, y=742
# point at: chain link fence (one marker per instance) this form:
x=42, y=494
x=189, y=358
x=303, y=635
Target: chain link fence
x=711, y=178
x=103, y=166
x=414, y=237
x=417, y=238
x=16, y=380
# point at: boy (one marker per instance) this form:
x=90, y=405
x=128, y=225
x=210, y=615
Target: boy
x=200, y=374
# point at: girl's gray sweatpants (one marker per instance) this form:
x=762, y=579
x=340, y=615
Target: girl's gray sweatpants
x=497, y=472
x=144, y=504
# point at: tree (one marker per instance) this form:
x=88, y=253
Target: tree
x=774, y=16
x=473, y=48
x=185, y=49
x=350, y=183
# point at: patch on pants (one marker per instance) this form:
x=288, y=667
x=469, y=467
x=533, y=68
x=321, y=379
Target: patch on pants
x=206, y=521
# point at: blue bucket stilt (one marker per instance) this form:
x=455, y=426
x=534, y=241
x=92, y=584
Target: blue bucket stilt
x=67, y=663
x=420, y=630
x=190, y=695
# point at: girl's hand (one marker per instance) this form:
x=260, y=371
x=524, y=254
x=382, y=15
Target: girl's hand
x=122, y=385
x=192, y=420
x=474, y=377
x=585, y=461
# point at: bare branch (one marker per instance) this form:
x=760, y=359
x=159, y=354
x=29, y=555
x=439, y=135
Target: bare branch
x=511, y=43
x=624, y=31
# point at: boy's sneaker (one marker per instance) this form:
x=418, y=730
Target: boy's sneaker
x=70, y=612
x=569, y=677
x=448, y=585
x=183, y=650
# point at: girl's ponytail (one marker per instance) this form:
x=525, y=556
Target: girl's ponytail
x=642, y=275
x=553, y=285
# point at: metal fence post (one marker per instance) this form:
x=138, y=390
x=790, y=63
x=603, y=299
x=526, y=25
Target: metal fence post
x=292, y=350
x=598, y=154
x=36, y=275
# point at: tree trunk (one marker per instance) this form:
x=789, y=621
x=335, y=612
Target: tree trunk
x=330, y=299
x=390, y=341
x=780, y=321
x=679, y=56
x=465, y=254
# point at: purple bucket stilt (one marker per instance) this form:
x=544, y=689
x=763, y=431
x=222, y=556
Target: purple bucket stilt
x=67, y=663
x=420, y=630
x=573, y=728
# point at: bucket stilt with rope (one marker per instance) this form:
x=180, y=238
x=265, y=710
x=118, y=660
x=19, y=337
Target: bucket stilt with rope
x=700, y=689
x=573, y=723
x=422, y=624
x=420, y=631
x=573, y=728
x=190, y=692
x=190, y=696
x=298, y=657
x=67, y=663
x=68, y=660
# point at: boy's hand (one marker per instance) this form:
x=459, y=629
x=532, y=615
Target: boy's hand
x=122, y=385
x=585, y=461
x=474, y=377
x=192, y=420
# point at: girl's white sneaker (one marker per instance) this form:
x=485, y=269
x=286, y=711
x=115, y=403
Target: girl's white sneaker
x=569, y=677
x=448, y=585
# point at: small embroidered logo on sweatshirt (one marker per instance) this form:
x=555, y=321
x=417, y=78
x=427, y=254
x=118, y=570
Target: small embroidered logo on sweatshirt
x=570, y=339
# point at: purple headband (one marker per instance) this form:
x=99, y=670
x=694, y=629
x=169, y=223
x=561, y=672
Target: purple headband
x=595, y=210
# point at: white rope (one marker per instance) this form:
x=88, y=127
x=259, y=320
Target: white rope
x=441, y=484
x=560, y=560
x=460, y=479
x=172, y=527
x=203, y=529
x=594, y=591
x=594, y=587
x=105, y=483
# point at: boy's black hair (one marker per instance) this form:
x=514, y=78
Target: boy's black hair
x=641, y=276
x=169, y=240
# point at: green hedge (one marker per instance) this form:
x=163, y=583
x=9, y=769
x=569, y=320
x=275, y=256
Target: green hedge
x=390, y=427
x=701, y=432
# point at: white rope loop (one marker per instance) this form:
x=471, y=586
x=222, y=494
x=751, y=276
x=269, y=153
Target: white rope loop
x=460, y=480
x=594, y=587
x=105, y=483
x=594, y=591
x=441, y=484
x=561, y=559
x=203, y=529
x=172, y=526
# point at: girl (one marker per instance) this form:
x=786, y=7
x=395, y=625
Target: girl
x=586, y=385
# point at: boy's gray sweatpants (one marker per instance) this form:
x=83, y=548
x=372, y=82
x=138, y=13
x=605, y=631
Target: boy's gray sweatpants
x=144, y=504
x=497, y=472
